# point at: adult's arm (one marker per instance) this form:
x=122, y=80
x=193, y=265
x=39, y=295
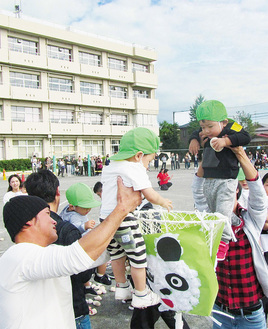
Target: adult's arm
x=96, y=241
x=257, y=200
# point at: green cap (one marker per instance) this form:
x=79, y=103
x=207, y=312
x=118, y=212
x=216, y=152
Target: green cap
x=241, y=175
x=81, y=195
x=211, y=110
x=135, y=140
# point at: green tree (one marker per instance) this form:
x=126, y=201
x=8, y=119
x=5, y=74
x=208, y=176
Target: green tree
x=169, y=135
x=244, y=119
x=194, y=124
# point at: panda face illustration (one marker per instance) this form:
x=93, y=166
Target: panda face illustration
x=171, y=278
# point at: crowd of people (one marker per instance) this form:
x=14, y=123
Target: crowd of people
x=72, y=166
x=49, y=247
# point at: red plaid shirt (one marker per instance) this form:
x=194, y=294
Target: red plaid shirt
x=238, y=284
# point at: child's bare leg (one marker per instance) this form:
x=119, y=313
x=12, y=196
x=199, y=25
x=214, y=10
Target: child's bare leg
x=139, y=278
x=101, y=269
x=118, y=266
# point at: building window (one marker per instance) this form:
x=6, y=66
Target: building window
x=63, y=147
x=1, y=150
x=59, y=84
x=118, y=120
x=138, y=93
x=18, y=79
x=25, y=114
x=1, y=112
x=139, y=67
x=93, y=147
x=23, y=149
x=63, y=54
x=118, y=92
x=146, y=120
x=23, y=46
x=117, y=64
x=89, y=59
x=91, y=118
x=115, y=146
x=61, y=116
x=90, y=88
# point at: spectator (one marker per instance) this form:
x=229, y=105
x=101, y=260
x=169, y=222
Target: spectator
x=242, y=276
x=80, y=165
x=164, y=162
x=85, y=164
x=99, y=165
x=14, y=188
x=156, y=161
x=93, y=165
x=73, y=165
x=107, y=160
x=34, y=163
x=34, y=284
x=164, y=180
x=177, y=159
x=172, y=159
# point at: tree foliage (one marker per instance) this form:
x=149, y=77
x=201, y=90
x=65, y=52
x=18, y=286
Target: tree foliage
x=194, y=124
x=244, y=119
x=169, y=135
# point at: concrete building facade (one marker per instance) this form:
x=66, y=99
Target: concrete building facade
x=64, y=92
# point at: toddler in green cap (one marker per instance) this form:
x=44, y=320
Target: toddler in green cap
x=137, y=148
x=81, y=199
x=219, y=164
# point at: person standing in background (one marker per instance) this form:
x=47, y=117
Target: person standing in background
x=80, y=165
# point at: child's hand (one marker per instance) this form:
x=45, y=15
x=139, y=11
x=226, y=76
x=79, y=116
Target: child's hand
x=194, y=146
x=167, y=204
x=218, y=143
x=89, y=224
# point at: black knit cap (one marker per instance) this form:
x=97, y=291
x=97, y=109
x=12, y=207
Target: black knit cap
x=19, y=210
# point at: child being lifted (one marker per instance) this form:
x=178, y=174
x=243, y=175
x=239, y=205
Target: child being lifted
x=220, y=165
x=137, y=148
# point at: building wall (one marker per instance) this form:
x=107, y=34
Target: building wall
x=69, y=93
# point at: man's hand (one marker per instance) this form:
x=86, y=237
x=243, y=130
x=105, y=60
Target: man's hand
x=127, y=197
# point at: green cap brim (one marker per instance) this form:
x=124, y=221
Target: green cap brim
x=91, y=204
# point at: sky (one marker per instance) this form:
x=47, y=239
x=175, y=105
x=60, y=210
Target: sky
x=216, y=48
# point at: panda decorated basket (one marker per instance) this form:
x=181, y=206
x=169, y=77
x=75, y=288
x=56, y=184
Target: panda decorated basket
x=181, y=253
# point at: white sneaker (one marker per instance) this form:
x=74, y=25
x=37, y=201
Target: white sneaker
x=123, y=293
x=149, y=299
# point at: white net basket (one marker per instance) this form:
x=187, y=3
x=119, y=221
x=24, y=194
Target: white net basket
x=154, y=221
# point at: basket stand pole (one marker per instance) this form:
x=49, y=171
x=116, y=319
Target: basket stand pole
x=178, y=321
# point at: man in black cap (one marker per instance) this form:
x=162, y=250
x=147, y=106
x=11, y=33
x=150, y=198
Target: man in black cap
x=35, y=289
x=45, y=185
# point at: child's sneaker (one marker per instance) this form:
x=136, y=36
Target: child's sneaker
x=103, y=279
x=222, y=251
x=149, y=299
x=123, y=293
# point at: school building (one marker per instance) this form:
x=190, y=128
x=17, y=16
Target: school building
x=64, y=92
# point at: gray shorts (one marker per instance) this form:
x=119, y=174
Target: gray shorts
x=128, y=241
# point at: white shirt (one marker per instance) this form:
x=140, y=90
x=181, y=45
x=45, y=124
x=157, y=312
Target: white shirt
x=134, y=175
x=35, y=287
x=10, y=195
